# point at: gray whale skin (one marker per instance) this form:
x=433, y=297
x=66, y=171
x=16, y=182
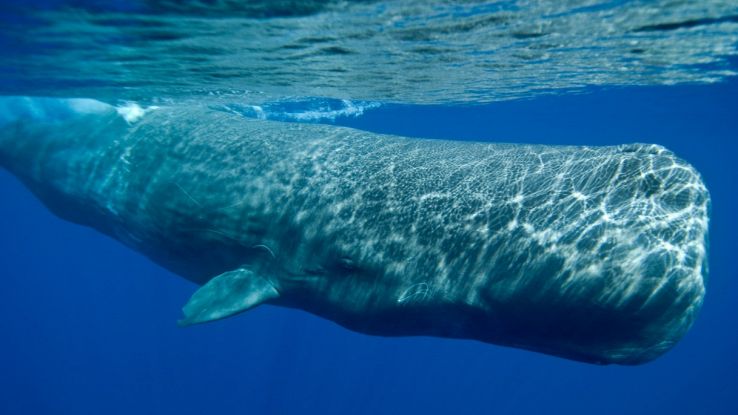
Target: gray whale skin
x=597, y=254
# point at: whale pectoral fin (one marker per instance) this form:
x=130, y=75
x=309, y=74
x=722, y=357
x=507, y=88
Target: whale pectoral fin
x=225, y=295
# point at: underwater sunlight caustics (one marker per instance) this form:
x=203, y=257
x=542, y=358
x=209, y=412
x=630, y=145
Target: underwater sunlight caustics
x=595, y=254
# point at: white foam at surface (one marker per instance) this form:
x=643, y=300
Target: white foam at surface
x=309, y=110
x=132, y=112
x=350, y=109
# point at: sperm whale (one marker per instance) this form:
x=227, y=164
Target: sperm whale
x=597, y=254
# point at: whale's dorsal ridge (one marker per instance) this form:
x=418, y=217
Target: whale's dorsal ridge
x=227, y=294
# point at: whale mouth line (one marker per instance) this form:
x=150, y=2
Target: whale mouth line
x=265, y=248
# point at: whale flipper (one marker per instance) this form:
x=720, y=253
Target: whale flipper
x=227, y=294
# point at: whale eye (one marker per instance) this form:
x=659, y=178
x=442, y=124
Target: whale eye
x=337, y=266
x=346, y=264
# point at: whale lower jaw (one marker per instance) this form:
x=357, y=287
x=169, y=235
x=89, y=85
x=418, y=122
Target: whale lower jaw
x=626, y=345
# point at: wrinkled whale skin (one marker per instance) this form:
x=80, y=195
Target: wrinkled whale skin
x=597, y=254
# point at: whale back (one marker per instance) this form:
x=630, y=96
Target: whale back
x=592, y=253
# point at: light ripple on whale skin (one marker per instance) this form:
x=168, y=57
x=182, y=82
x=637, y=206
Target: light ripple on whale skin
x=596, y=254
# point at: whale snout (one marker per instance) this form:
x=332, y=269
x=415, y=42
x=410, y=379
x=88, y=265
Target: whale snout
x=662, y=257
x=613, y=269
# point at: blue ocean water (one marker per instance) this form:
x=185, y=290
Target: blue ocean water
x=88, y=326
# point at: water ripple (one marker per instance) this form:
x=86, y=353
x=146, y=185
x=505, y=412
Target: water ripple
x=409, y=51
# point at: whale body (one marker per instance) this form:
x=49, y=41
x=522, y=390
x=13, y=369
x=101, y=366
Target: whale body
x=597, y=254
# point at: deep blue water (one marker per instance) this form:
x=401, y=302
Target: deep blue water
x=88, y=326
